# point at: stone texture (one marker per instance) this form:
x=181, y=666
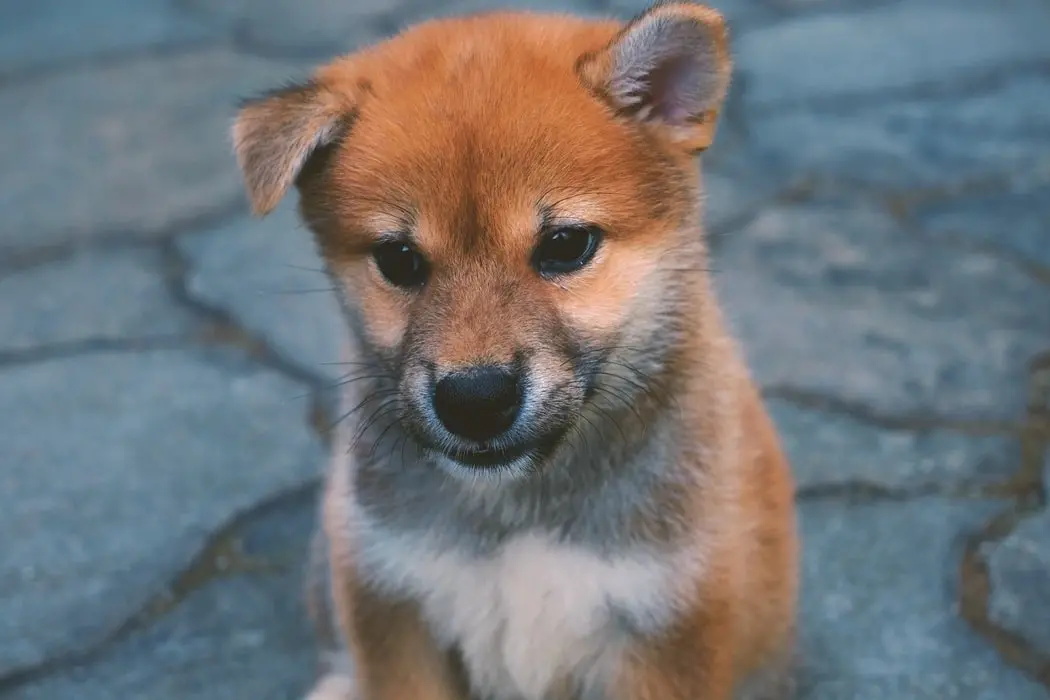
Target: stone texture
x=126, y=463
x=267, y=275
x=829, y=449
x=879, y=605
x=36, y=33
x=900, y=143
x=730, y=198
x=837, y=299
x=235, y=639
x=93, y=295
x=1019, y=568
x=1014, y=220
x=891, y=45
x=133, y=147
x=319, y=28
x=281, y=531
x=456, y=7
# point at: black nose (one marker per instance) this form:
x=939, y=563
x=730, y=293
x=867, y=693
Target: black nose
x=479, y=403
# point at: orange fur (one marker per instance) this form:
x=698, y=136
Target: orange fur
x=465, y=131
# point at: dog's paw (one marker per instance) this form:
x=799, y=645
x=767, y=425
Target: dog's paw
x=332, y=687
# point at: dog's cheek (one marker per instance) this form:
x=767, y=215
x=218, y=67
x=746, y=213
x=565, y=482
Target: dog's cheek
x=597, y=303
x=383, y=312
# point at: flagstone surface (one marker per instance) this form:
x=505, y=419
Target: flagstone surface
x=878, y=210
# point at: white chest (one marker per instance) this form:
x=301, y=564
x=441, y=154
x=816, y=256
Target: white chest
x=531, y=613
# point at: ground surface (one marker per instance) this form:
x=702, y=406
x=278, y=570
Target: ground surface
x=879, y=203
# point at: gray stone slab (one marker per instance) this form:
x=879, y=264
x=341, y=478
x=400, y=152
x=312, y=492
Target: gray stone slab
x=93, y=295
x=837, y=299
x=828, y=449
x=238, y=636
x=889, y=46
x=729, y=198
x=267, y=275
x=902, y=143
x=134, y=147
x=235, y=639
x=1019, y=566
x=879, y=605
x=120, y=466
x=313, y=28
x=1016, y=221
x=37, y=33
x=798, y=7
x=577, y=7
x=282, y=532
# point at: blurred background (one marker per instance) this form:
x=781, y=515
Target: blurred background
x=878, y=202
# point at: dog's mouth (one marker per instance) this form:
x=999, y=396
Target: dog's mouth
x=489, y=458
x=493, y=457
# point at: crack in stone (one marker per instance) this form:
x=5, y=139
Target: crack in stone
x=975, y=594
x=223, y=328
x=861, y=491
x=910, y=422
x=91, y=346
x=21, y=260
x=976, y=588
x=1039, y=273
x=901, y=205
x=221, y=557
x=968, y=84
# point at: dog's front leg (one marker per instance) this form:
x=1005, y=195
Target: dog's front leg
x=394, y=654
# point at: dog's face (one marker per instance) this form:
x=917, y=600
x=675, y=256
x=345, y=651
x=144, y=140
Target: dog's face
x=507, y=205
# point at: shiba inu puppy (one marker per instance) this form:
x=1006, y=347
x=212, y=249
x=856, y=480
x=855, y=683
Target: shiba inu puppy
x=554, y=478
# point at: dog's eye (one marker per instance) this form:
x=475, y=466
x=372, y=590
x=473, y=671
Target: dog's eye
x=401, y=264
x=565, y=250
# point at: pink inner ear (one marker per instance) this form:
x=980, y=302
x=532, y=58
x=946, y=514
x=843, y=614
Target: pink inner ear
x=672, y=89
x=669, y=68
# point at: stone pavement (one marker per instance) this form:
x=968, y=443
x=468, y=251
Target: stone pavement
x=879, y=203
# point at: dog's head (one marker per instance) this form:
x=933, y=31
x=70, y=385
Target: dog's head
x=507, y=203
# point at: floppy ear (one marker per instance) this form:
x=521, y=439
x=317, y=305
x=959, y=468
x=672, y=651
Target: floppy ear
x=669, y=67
x=274, y=136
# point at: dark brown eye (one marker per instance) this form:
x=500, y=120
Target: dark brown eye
x=565, y=250
x=401, y=264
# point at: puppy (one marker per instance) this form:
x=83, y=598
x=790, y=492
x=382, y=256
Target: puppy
x=554, y=478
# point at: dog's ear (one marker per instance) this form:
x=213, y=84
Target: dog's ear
x=274, y=136
x=669, y=67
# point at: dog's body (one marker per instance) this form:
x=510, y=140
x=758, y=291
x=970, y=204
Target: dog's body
x=598, y=507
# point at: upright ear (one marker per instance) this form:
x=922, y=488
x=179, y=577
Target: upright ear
x=274, y=136
x=670, y=67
